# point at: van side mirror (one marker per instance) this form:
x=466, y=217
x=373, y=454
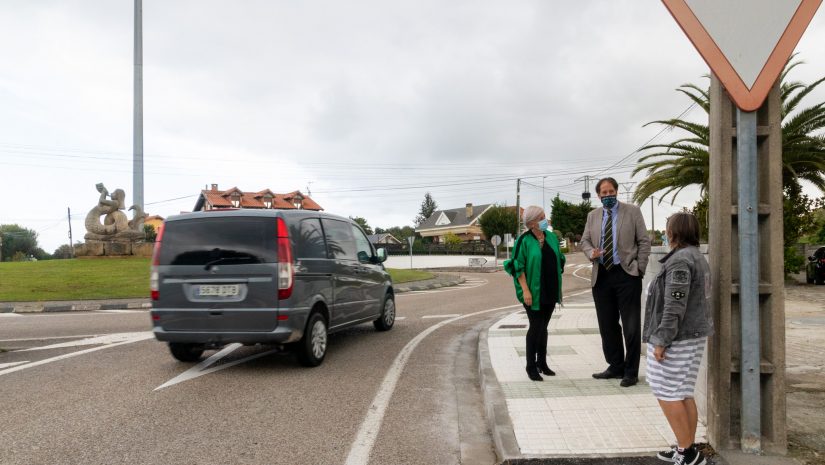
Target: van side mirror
x=811, y=258
x=382, y=255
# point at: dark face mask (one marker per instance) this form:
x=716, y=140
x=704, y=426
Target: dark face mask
x=609, y=201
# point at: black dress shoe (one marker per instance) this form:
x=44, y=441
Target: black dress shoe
x=534, y=375
x=628, y=381
x=545, y=370
x=607, y=374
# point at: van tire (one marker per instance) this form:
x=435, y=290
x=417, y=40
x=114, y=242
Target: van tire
x=312, y=348
x=186, y=352
x=387, y=318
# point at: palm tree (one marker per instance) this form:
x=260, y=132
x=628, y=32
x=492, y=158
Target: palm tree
x=684, y=162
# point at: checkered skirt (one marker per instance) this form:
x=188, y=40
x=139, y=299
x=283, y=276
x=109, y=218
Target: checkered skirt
x=674, y=378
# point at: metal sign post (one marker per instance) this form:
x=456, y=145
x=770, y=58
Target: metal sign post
x=410, y=241
x=495, y=240
x=749, y=278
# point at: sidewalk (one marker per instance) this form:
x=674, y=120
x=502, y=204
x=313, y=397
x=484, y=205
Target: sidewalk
x=570, y=415
x=440, y=280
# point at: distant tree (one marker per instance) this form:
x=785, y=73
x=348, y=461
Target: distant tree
x=428, y=206
x=452, y=241
x=700, y=211
x=799, y=217
x=363, y=223
x=380, y=230
x=399, y=232
x=17, y=242
x=498, y=220
x=62, y=252
x=567, y=217
x=150, y=233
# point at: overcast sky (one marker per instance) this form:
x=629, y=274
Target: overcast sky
x=365, y=104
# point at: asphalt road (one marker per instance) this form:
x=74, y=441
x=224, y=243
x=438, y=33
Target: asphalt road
x=124, y=399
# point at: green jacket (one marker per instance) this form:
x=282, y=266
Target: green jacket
x=527, y=259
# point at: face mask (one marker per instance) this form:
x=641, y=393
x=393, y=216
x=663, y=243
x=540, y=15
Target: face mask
x=544, y=224
x=609, y=201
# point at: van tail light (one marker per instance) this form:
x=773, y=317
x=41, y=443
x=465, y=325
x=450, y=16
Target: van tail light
x=153, y=271
x=285, y=268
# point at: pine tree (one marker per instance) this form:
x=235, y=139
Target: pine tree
x=428, y=206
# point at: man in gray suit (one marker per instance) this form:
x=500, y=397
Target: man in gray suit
x=615, y=240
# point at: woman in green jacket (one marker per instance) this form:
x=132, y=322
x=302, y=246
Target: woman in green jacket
x=536, y=267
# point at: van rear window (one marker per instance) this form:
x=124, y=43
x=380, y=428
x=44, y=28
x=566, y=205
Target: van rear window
x=219, y=241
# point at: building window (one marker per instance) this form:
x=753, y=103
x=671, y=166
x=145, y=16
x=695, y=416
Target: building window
x=235, y=200
x=267, y=201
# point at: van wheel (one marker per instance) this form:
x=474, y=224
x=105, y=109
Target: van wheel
x=312, y=348
x=387, y=318
x=186, y=352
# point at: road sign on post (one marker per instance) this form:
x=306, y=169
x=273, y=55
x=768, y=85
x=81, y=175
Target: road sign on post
x=410, y=241
x=746, y=43
x=495, y=240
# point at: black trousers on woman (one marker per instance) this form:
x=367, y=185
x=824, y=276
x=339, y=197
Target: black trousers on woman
x=536, y=340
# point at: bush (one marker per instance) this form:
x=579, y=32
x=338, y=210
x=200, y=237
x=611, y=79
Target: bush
x=793, y=261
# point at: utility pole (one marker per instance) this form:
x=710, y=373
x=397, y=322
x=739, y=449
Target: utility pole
x=586, y=179
x=137, y=130
x=652, y=221
x=518, y=207
x=71, y=241
x=627, y=189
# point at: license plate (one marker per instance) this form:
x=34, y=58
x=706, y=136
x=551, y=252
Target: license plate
x=218, y=290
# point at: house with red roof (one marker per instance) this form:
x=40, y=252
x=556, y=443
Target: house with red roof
x=215, y=199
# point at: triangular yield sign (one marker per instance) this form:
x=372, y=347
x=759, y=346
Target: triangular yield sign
x=746, y=43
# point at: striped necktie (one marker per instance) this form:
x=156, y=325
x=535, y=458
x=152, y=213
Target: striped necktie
x=607, y=258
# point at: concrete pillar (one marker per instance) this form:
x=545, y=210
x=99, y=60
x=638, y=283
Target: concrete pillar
x=724, y=348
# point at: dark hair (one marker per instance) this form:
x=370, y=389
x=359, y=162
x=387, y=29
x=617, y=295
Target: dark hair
x=610, y=180
x=683, y=229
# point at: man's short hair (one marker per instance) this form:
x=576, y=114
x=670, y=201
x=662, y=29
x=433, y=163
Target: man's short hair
x=608, y=179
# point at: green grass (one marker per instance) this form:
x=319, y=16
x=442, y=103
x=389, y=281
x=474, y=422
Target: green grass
x=405, y=276
x=97, y=278
x=77, y=279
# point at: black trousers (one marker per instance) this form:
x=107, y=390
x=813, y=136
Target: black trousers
x=536, y=340
x=618, y=296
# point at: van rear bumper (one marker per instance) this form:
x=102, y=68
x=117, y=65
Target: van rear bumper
x=281, y=335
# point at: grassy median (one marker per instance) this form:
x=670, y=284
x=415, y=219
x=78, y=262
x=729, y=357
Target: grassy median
x=97, y=278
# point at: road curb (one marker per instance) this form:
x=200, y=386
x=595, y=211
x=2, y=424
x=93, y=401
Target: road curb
x=145, y=304
x=501, y=428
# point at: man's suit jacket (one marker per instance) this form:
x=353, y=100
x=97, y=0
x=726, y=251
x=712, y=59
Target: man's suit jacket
x=632, y=240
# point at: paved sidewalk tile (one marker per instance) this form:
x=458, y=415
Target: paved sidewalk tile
x=572, y=413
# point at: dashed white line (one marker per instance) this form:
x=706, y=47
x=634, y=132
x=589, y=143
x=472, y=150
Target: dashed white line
x=450, y=315
x=9, y=315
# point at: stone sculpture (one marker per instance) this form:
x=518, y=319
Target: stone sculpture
x=115, y=226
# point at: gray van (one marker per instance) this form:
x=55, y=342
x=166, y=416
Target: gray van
x=283, y=277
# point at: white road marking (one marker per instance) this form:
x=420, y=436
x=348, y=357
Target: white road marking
x=203, y=367
x=468, y=284
x=399, y=318
x=105, y=339
x=450, y=315
x=9, y=315
x=12, y=364
x=6, y=371
x=359, y=453
x=49, y=338
x=581, y=267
